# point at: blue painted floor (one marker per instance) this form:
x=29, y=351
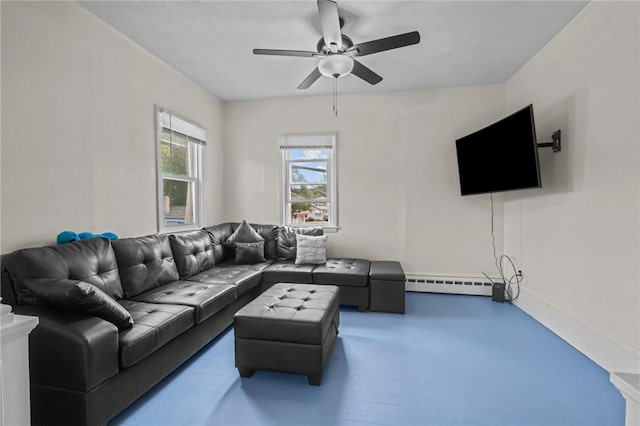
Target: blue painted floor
x=451, y=360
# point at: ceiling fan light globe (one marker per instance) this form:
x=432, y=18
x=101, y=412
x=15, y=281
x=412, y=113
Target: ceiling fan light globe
x=335, y=66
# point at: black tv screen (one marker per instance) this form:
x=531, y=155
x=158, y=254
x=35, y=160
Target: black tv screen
x=500, y=157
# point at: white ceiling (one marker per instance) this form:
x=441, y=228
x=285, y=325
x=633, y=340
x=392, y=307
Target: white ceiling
x=463, y=42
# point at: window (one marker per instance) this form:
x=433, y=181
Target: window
x=308, y=188
x=179, y=151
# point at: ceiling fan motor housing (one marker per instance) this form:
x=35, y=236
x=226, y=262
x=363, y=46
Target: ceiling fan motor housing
x=325, y=50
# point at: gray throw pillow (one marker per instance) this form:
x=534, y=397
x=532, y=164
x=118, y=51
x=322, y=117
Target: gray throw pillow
x=250, y=253
x=311, y=249
x=244, y=234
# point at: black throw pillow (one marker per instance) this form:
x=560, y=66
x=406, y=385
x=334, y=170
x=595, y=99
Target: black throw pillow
x=81, y=297
x=250, y=253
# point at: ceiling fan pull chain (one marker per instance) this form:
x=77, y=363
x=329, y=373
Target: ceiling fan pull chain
x=335, y=96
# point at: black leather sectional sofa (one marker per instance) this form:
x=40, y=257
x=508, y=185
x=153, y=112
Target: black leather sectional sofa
x=118, y=316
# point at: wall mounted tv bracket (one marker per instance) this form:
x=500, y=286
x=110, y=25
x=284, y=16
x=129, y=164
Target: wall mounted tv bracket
x=555, y=145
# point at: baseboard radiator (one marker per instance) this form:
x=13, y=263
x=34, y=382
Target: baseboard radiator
x=479, y=286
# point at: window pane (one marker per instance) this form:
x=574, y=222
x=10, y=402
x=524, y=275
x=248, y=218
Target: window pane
x=309, y=212
x=314, y=172
x=174, y=154
x=308, y=154
x=308, y=192
x=178, y=202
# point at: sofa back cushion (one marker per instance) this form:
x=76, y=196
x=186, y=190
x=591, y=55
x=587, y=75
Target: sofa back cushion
x=287, y=240
x=91, y=260
x=144, y=263
x=192, y=252
x=219, y=235
x=270, y=235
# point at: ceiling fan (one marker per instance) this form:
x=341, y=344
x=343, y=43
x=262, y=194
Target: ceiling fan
x=337, y=51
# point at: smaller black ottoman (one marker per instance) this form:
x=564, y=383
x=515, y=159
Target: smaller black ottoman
x=290, y=328
x=387, y=283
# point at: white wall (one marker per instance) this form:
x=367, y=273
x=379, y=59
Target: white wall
x=577, y=240
x=398, y=189
x=78, y=141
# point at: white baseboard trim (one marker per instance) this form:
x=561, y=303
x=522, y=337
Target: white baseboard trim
x=601, y=350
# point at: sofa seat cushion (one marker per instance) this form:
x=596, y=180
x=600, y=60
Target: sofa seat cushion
x=192, y=252
x=288, y=271
x=255, y=267
x=343, y=272
x=154, y=325
x=241, y=277
x=205, y=298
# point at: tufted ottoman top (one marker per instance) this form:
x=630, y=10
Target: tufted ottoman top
x=296, y=313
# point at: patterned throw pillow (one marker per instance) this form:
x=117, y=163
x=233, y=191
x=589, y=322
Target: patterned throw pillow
x=311, y=249
x=250, y=253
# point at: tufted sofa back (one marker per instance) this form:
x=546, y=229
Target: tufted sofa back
x=270, y=235
x=287, y=245
x=144, y=263
x=220, y=233
x=92, y=261
x=192, y=252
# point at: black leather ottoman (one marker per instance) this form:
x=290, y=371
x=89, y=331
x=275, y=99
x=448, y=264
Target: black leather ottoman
x=387, y=282
x=290, y=328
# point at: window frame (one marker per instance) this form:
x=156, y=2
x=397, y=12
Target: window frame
x=196, y=142
x=292, y=141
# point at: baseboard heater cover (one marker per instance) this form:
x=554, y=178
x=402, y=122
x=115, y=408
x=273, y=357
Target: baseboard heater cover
x=480, y=286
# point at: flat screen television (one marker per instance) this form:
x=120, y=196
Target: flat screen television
x=501, y=157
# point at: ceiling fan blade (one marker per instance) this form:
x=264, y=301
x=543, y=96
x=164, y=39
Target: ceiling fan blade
x=277, y=52
x=330, y=23
x=387, y=43
x=365, y=73
x=311, y=78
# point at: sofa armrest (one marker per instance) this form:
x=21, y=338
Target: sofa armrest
x=70, y=350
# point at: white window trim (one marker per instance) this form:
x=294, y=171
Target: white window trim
x=198, y=132
x=301, y=140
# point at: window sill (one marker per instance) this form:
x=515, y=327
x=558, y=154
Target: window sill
x=178, y=229
x=325, y=229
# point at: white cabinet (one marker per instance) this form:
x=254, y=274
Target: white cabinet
x=14, y=367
